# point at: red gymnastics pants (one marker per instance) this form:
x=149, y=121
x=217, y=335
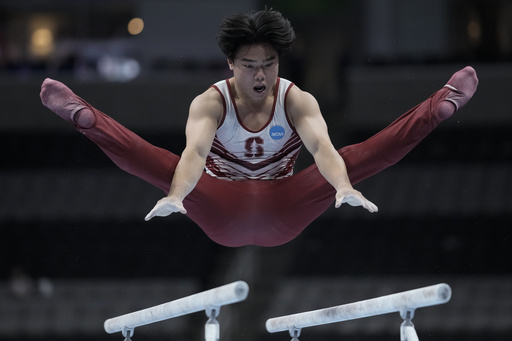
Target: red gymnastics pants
x=263, y=212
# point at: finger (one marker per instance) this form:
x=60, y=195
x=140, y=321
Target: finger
x=153, y=212
x=149, y=215
x=370, y=206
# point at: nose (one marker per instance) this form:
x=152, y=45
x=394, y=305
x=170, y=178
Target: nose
x=260, y=75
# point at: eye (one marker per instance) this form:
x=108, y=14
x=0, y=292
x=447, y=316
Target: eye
x=269, y=65
x=249, y=66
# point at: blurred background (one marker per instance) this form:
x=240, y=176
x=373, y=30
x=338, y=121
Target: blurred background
x=75, y=250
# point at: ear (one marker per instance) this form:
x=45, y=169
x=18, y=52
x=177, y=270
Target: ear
x=231, y=64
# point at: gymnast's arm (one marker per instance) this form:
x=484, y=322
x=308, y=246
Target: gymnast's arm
x=204, y=116
x=305, y=114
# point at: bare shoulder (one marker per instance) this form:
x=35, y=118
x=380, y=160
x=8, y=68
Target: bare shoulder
x=205, y=113
x=300, y=103
x=210, y=95
x=209, y=103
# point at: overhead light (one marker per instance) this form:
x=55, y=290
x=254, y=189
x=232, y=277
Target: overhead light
x=135, y=26
x=42, y=38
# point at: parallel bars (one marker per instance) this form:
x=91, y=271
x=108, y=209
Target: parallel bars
x=405, y=303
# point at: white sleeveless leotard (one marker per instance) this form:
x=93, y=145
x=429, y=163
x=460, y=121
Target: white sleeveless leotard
x=238, y=153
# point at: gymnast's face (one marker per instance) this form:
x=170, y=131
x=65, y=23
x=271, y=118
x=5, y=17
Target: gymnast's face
x=255, y=69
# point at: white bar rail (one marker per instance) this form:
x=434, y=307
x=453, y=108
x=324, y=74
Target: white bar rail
x=213, y=298
x=401, y=302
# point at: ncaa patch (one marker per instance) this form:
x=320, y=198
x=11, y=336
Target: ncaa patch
x=276, y=132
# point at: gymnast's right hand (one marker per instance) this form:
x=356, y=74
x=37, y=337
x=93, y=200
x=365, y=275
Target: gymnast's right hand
x=166, y=206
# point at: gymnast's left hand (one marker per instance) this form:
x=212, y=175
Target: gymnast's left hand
x=354, y=198
x=165, y=207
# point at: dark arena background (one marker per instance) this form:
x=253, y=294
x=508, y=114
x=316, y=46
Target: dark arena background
x=75, y=249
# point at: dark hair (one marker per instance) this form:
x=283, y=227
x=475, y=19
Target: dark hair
x=263, y=27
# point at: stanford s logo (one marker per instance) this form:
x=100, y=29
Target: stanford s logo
x=254, y=147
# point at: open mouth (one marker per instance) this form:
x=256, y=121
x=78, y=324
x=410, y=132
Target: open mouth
x=260, y=88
